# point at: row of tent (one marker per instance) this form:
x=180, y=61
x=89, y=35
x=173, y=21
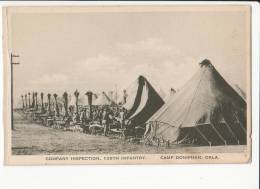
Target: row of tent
x=98, y=99
x=205, y=111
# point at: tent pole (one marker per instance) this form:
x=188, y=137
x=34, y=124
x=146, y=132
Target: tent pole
x=205, y=138
x=232, y=133
x=242, y=127
x=220, y=136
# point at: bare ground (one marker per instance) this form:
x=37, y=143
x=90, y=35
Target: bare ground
x=33, y=139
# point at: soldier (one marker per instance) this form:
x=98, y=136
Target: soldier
x=105, y=121
x=22, y=101
x=29, y=97
x=90, y=94
x=57, y=111
x=36, y=101
x=122, y=117
x=83, y=116
x=65, y=99
x=26, y=104
x=49, y=104
x=76, y=93
x=124, y=96
x=83, y=120
x=42, y=104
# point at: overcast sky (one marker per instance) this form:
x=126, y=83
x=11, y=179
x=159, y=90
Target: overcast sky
x=96, y=51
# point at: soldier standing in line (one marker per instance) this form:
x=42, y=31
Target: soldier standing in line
x=105, y=121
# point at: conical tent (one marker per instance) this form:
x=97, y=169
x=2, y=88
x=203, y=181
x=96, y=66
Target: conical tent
x=206, y=111
x=71, y=100
x=102, y=99
x=142, y=101
x=83, y=100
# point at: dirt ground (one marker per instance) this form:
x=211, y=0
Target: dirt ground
x=34, y=139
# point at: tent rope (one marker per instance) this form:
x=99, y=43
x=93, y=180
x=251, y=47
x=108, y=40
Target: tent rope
x=220, y=136
x=232, y=133
x=183, y=140
x=240, y=124
x=203, y=136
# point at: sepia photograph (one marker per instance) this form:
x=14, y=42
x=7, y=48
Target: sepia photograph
x=127, y=84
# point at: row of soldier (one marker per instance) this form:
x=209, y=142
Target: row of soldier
x=73, y=115
x=30, y=101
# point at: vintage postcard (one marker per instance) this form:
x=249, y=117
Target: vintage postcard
x=127, y=84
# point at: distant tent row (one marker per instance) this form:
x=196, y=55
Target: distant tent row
x=82, y=100
x=206, y=111
x=101, y=99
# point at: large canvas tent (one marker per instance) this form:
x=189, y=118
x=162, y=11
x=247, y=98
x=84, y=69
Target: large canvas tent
x=206, y=111
x=142, y=101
